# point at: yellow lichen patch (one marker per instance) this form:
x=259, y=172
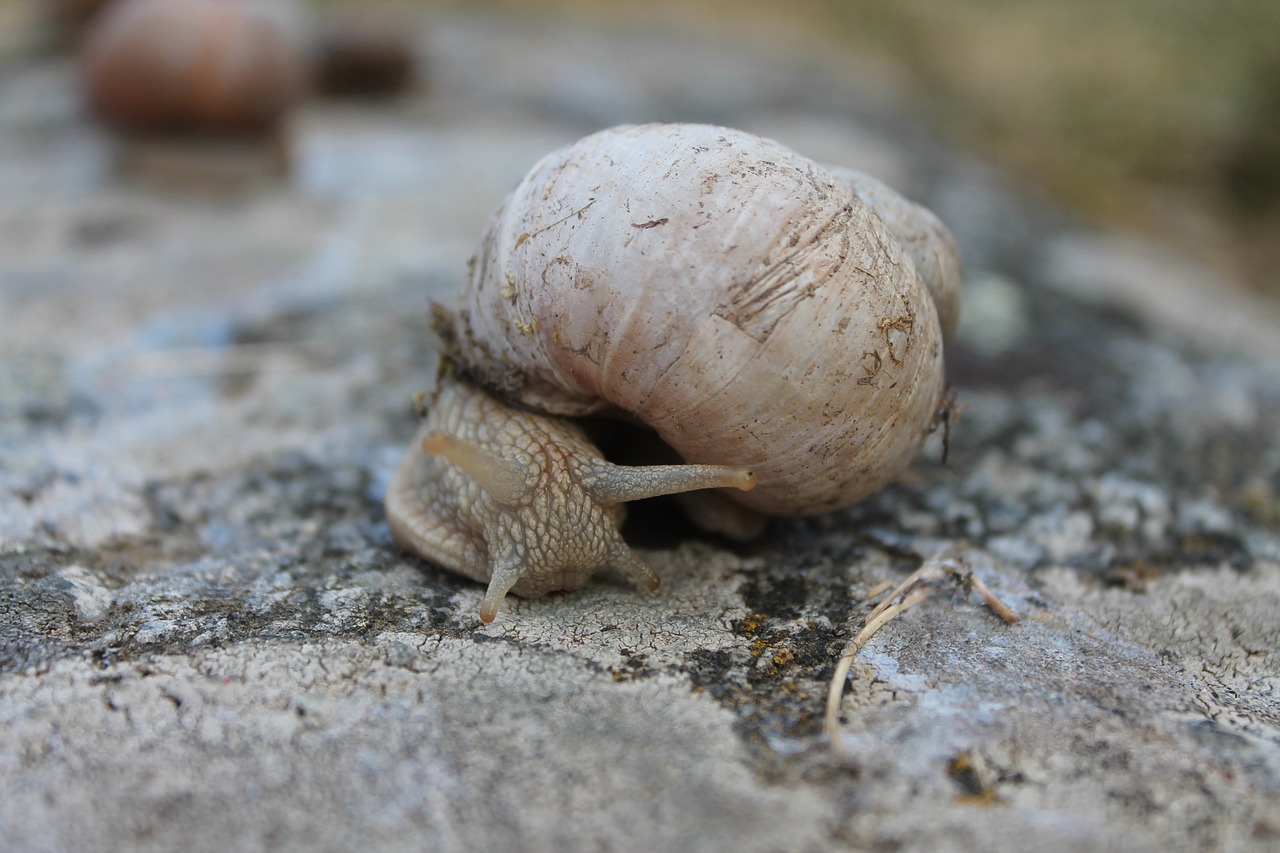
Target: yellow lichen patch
x=1261, y=502
x=968, y=771
x=750, y=624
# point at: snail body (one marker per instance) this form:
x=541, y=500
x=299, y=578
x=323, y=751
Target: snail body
x=523, y=501
x=754, y=308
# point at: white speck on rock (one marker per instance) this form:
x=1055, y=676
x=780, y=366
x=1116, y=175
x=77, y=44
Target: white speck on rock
x=90, y=596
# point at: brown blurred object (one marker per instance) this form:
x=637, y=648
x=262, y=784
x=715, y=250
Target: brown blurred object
x=361, y=59
x=195, y=66
x=70, y=17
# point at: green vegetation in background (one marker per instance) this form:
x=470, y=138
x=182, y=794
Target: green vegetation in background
x=1162, y=115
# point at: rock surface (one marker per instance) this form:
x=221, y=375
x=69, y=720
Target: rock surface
x=208, y=642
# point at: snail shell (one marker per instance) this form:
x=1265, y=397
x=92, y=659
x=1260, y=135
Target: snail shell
x=202, y=65
x=756, y=309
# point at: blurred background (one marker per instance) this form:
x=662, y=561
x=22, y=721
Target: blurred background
x=1156, y=117
x=1153, y=115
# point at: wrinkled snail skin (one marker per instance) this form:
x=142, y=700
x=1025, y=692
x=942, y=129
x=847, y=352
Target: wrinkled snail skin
x=736, y=297
x=523, y=501
x=770, y=318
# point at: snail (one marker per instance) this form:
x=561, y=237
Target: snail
x=224, y=66
x=364, y=58
x=778, y=323
x=68, y=18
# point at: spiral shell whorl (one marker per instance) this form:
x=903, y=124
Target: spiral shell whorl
x=736, y=297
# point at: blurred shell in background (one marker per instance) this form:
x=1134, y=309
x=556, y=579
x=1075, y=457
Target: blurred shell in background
x=69, y=17
x=226, y=66
x=364, y=58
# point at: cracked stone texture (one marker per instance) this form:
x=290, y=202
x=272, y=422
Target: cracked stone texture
x=208, y=642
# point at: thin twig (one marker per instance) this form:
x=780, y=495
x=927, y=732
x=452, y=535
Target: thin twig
x=835, y=690
x=878, y=589
x=989, y=598
x=919, y=585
